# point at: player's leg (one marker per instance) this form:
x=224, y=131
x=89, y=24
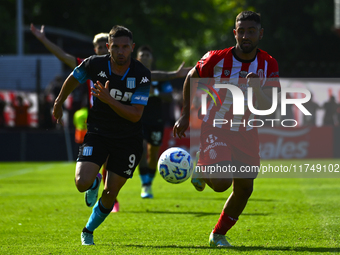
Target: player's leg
x=243, y=183
x=103, y=207
x=144, y=173
x=92, y=154
x=104, y=173
x=121, y=164
x=213, y=162
x=153, y=137
x=218, y=176
x=86, y=176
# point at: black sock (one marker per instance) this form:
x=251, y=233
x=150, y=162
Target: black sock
x=87, y=231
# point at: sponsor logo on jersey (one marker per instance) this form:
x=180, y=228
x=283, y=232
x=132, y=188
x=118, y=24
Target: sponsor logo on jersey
x=144, y=80
x=102, y=74
x=226, y=72
x=131, y=82
x=128, y=172
x=118, y=95
x=243, y=74
x=260, y=74
x=211, y=138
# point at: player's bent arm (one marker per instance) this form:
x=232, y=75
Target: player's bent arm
x=132, y=112
x=263, y=94
x=189, y=90
x=68, y=59
x=264, y=98
x=69, y=85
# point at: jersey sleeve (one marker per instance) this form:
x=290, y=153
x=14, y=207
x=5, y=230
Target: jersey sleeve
x=82, y=71
x=141, y=95
x=272, y=75
x=202, y=66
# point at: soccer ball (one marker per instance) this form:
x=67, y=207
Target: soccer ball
x=175, y=165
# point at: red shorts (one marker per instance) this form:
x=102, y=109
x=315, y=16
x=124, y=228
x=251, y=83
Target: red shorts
x=219, y=145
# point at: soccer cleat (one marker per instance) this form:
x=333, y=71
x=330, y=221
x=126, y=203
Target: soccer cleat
x=91, y=195
x=115, y=207
x=146, y=192
x=86, y=238
x=198, y=183
x=217, y=240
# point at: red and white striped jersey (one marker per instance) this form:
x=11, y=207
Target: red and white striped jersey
x=225, y=67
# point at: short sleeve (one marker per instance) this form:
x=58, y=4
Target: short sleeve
x=141, y=95
x=202, y=66
x=81, y=72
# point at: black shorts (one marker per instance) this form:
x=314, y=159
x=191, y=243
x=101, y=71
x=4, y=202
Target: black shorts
x=124, y=154
x=153, y=134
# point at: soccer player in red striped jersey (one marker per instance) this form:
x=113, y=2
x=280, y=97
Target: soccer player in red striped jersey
x=235, y=144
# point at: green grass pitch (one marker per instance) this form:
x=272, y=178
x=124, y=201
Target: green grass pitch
x=41, y=212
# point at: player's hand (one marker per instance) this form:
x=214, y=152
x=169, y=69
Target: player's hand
x=182, y=71
x=39, y=34
x=180, y=127
x=253, y=81
x=58, y=111
x=101, y=92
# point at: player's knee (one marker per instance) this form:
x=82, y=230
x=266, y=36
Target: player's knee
x=221, y=185
x=245, y=192
x=82, y=184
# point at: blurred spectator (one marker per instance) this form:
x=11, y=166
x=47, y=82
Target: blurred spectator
x=45, y=114
x=21, y=112
x=330, y=108
x=312, y=107
x=2, y=112
x=52, y=90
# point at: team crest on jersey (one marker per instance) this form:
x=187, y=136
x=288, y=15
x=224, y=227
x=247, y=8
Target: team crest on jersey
x=260, y=73
x=226, y=72
x=243, y=74
x=131, y=82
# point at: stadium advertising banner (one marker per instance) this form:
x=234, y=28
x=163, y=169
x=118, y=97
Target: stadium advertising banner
x=296, y=143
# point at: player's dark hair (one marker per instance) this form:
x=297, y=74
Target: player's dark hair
x=249, y=15
x=144, y=48
x=118, y=31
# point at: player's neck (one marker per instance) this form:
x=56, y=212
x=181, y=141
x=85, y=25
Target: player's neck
x=120, y=69
x=245, y=56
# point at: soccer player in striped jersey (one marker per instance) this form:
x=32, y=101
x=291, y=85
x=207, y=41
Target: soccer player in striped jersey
x=227, y=145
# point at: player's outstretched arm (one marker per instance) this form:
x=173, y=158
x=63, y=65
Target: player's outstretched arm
x=69, y=85
x=68, y=59
x=165, y=76
x=189, y=89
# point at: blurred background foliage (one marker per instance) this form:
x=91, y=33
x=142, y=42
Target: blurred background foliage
x=299, y=34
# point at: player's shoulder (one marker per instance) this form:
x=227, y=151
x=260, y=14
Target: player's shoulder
x=265, y=55
x=140, y=69
x=99, y=58
x=217, y=54
x=96, y=60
